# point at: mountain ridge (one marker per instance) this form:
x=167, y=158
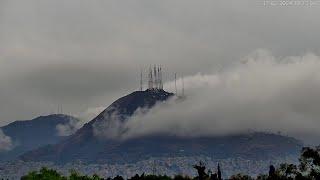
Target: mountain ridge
x=85, y=146
x=30, y=134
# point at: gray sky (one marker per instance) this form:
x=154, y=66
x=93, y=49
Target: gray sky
x=85, y=54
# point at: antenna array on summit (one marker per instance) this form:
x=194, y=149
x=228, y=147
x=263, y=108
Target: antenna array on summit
x=155, y=78
x=150, y=79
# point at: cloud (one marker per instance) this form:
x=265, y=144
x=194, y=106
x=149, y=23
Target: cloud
x=88, y=53
x=263, y=93
x=5, y=142
x=111, y=128
x=78, y=121
x=89, y=113
x=69, y=128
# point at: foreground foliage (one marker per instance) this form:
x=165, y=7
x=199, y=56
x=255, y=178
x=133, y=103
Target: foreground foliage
x=308, y=169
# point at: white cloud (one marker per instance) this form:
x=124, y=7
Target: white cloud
x=110, y=128
x=263, y=93
x=76, y=123
x=68, y=128
x=5, y=142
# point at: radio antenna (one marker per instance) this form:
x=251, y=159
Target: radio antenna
x=175, y=83
x=182, y=87
x=141, y=80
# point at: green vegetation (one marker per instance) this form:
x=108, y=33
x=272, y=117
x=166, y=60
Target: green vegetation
x=308, y=168
x=49, y=174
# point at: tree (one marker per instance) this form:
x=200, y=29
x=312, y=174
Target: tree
x=44, y=174
x=241, y=177
x=262, y=177
x=310, y=162
x=288, y=171
x=201, y=171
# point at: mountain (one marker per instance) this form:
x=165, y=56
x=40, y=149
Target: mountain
x=84, y=145
x=31, y=134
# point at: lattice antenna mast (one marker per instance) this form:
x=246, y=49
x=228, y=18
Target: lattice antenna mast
x=141, y=80
x=155, y=77
x=182, y=86
x=150, y=82
x=159, y=77
x=161, y=82
x=59, y=109
x=175, y=83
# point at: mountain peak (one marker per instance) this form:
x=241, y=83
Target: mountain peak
x=51, y=118
x=127, y=105
x=30, y=134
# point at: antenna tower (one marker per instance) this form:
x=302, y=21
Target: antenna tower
x=150, y=81
x=161, y=83
x=182, y=86
x=59, y=110
x=141, y=80
x=175, y=83
x=155, y=77
x=159, y=77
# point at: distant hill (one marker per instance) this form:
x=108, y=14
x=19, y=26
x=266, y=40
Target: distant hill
x=85, y=146
x=31, y=134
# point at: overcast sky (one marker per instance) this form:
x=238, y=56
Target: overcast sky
x=85, y=54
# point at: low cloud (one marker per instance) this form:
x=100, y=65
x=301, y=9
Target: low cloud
x=111, y=128
x=76, y=123
x=5, y=142
x=262, y=93
x=68, y=128
x=89, y=114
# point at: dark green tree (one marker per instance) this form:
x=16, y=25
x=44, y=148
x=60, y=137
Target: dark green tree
x=44, y=174
x=241, y=177
x=310, y=162
x=201, y=169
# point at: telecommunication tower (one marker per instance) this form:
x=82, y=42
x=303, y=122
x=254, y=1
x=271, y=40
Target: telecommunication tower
x=150, y=79
x=141, y=82
x=182, y=86
x=175, y=83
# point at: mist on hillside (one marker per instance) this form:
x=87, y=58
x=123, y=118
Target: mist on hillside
x=262, y=93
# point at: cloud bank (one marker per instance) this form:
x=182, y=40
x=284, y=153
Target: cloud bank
x=263, y=93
